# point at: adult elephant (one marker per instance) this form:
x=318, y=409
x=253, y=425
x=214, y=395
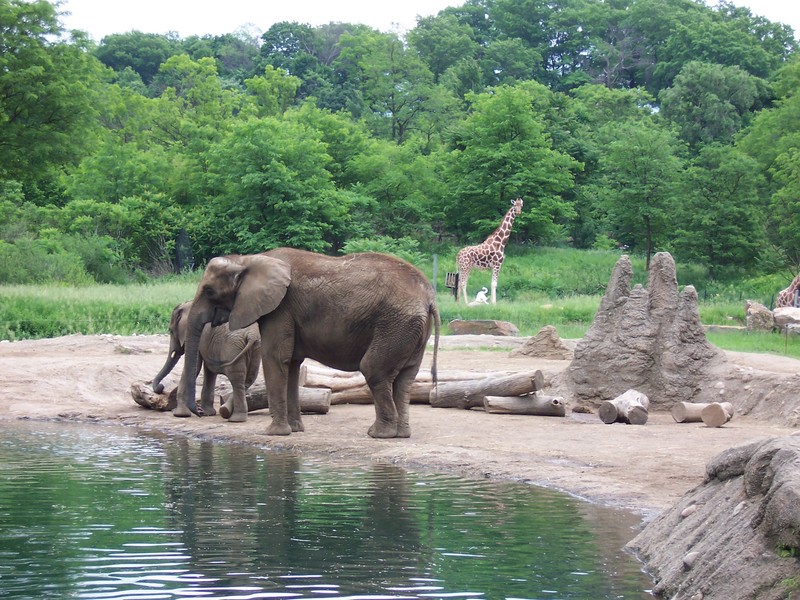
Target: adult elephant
x=361, y=312
x=235, y=354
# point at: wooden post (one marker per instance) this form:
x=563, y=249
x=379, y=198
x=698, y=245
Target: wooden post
x=630, y=407
x=470, y=394
x=530, y=404
x=717, y=414
x=690, y=412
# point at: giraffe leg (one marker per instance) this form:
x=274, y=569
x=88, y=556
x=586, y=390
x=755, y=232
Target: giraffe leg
x=462, y=286
x=494, y=288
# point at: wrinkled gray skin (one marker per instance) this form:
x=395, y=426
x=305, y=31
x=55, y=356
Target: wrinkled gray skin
x=361, y=312
x=235, y=354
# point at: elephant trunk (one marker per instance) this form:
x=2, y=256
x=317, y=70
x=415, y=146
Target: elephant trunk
x=191, y=366
x=175, y=353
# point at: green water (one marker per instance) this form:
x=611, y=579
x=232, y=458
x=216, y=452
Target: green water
x=99, y=512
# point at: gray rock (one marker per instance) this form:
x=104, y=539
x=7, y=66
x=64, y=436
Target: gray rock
x=545, y=344
x=758, y=317
x=746, y=528
x=483, y=327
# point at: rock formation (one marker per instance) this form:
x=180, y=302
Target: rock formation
x=735, y=536
x=649, y=339
x=545, y=344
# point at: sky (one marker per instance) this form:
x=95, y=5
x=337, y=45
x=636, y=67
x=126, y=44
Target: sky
x=190, y=17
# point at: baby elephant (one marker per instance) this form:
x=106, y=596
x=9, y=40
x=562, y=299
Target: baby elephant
x=235, y=354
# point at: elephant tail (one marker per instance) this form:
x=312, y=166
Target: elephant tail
x=437, y=323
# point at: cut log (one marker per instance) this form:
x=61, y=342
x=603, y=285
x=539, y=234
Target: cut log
x=312, y=400
x=717, y=414
x=530, y=404
x=630, y=407
x=690, y=412
x=144, y=395
x=470, y=394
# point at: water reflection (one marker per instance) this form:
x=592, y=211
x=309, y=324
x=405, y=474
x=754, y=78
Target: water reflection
x=93, y=512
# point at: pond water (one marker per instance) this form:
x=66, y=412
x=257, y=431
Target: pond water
x=102, y=512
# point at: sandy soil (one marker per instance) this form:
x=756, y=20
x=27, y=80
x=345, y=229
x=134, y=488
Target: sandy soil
x=642, y=468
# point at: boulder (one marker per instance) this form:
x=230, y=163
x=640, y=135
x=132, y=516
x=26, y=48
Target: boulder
x=545, y=344
x=483, y=327
x=785, y=316
x=735, y=536
x=758, y=317
x=649, y=340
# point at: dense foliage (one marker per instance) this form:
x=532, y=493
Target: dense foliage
x=650, y=124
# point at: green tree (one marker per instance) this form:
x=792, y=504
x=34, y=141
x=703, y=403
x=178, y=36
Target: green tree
x=49, y=90
x=272, y=189
x=502, y=151
x=720, y=218
x=274, y=91
x=711, y=103
x=638, y=190
x=142, y=52
x=442, y=41
x=393, y=81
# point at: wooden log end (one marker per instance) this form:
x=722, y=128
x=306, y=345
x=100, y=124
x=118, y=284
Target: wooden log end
x=716, y=414
x=637, y=415
x=608, y=413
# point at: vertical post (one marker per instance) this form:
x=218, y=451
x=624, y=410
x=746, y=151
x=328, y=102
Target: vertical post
x=435, y=269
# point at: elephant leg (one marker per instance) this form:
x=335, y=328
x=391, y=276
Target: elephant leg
x=226, y=409
x=293, y=397
x=207, y=393
x=385, y=425
x=238, y=399
x=276, y=376
x=401, y=393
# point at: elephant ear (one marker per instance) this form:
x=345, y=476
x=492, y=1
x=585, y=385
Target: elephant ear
x=261, y=288
x=179, y=322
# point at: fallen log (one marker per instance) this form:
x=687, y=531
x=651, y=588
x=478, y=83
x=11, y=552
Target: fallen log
x=630, y=407
x=316, y=401
x=470, y=394
x=690, y=412
x=530, y=404
x=716, y=414
x=312, y=400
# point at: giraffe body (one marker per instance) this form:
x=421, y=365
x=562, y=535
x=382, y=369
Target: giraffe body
x=488, y=255
x=786, y=296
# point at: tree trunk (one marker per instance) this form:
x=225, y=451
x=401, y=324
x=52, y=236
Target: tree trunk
x=530, y=404
x=470, y=394
x=630, y=407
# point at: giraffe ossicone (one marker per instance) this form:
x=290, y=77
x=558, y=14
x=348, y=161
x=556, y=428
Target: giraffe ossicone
x=488, y=255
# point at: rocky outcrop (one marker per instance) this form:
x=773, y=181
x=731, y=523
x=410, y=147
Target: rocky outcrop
x=758, y=317
x=483, y=327
x=545, y=344
x=735, y=536
x=787, y=318
x=648, y=339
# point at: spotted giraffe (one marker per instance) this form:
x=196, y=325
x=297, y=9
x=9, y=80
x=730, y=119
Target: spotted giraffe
x=786, y=297
x=488, y=255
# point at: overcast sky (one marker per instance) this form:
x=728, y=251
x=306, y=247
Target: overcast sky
x=192, y=17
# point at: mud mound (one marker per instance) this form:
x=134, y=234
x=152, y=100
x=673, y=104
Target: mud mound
x=650, y=340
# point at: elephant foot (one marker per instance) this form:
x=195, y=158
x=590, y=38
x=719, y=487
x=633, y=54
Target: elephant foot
x=181, y=411
x=380, y=430
x=297, y=425
x=403, y=431
x=208, y=411
x=237, y=417
x=279, y=428
x=225, y=411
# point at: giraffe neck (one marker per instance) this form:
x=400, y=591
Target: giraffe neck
x=499, y=238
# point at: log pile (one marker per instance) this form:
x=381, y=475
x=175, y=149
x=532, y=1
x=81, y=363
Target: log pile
x=321, y=387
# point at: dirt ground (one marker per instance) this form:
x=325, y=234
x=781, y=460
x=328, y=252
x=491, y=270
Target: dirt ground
x=642, y=468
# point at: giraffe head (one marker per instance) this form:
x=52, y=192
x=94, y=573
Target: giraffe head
x=517, y=205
